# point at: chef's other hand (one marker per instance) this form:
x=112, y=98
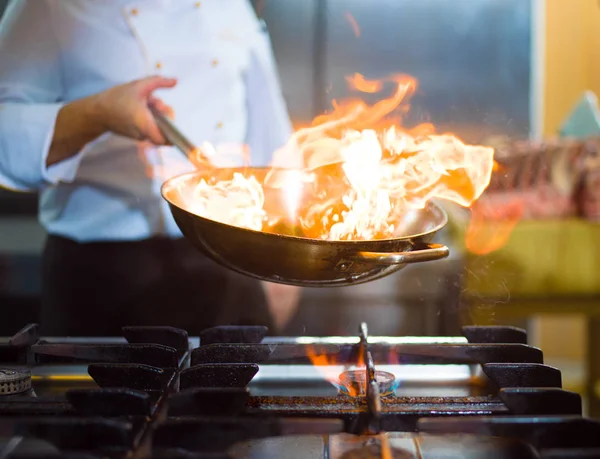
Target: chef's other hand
x=124, y=109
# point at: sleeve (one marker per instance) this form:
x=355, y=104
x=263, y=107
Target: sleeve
x=269, y=126
x=30, y=94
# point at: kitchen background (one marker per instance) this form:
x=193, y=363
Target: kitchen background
x=489, y=70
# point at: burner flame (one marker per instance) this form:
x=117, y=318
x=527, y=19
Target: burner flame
x=348, y=376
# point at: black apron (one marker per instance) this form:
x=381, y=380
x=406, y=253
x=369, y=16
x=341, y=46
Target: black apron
x=94, y=289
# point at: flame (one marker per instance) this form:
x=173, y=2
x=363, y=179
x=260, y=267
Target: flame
x=359, y=83
x=163, y=168
x=342, y=369
x=293, y=187
x=360, y=170
x=330, y=368
x=353, y=23
x=492, y=224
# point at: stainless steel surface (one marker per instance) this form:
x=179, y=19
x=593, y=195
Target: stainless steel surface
x=483, y=49
x=308, y=380
x=195, y=341
x=391, y=340
x=414, y=380
x=296, y=260
x=292, y=27
x=389, y=445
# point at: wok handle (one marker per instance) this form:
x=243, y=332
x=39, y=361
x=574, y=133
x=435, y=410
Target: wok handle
x=178, y=139
x=171, y=132
x=431, y=252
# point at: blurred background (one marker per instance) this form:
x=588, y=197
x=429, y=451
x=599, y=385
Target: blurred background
x=520, y=75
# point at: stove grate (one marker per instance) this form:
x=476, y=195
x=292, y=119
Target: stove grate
x=153, y=396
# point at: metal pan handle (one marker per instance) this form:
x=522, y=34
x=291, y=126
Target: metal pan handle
x=171, y=132
x=178, y=140
x=430, y=252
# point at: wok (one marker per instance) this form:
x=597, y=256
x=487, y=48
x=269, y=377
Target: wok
x=301, y=261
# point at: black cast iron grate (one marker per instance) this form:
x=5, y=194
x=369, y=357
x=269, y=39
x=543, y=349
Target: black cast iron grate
x=154, y=397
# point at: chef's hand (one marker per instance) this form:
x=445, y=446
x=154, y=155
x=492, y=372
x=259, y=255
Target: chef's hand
x=124, y=109
x=121, y=109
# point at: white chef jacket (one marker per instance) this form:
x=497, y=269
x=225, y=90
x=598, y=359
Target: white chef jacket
x=56, y=51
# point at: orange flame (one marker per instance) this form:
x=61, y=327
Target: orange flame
x=491, y=225
x=329, y=367
x=353, y=23
x=362, y=171
x=358, y=82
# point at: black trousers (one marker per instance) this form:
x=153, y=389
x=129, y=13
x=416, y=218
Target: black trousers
x=94, y=289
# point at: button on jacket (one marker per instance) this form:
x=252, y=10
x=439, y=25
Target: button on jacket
x=56, y=51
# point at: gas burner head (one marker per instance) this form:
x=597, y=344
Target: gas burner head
x=353, y=383
x=14, y=381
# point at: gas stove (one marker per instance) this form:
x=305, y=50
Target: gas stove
x=235, y=392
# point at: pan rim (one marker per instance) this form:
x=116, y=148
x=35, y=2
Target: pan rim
x=169, y=184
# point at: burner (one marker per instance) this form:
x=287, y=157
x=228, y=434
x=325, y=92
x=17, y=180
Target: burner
x=14, y=381
x=353, y=383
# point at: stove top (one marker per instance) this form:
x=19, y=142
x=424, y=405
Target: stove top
x=235, y=392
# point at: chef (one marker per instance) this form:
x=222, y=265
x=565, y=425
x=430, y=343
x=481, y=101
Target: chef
x=76, y=78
